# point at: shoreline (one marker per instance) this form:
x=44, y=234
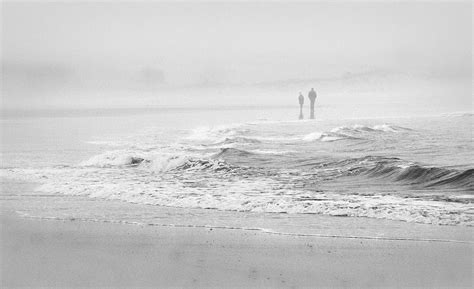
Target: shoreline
x=15, y=192
x=85, y=254
x=267, y=231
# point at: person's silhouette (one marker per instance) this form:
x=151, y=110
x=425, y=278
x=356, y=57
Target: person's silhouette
x=312, y=97
x=301, y=100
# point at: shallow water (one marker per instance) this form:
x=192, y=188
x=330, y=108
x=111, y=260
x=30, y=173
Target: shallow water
x=242, y=163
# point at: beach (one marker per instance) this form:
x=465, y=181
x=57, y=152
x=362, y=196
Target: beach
x=49, y=253
x=236, y=145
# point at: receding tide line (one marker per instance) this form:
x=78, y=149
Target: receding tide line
x=262, y=230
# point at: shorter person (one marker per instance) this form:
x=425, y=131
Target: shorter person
x=301, y=100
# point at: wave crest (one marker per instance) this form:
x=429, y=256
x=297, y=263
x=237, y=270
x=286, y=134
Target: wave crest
x=216, y=134
x=163, y=163
x=358, y=129
x=232, y=152
x=428, y=177
x=238, y=140
x=112, y=159
x=327, y=136
x=354, y=132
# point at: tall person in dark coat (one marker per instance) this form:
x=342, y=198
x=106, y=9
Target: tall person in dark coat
x=301, y=100
x=312, y=97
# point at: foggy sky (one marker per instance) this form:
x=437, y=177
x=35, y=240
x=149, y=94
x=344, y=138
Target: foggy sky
x=108, y=44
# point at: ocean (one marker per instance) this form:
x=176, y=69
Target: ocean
x=241, y=168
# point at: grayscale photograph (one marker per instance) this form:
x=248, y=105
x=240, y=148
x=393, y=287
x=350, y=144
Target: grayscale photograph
x=236, y=144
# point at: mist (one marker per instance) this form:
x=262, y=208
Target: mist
x=88, y=54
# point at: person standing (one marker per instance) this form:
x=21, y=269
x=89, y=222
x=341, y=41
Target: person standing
x=301, y=100
x=312, y=97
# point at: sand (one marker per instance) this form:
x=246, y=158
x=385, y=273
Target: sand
x=47, y=253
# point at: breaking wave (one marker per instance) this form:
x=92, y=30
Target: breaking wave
x=232, y=152
x=241, y=134
x=112, y=159
x=355, y=132
x=357, y=129
x=327, y=136
x=391, y=169
x=216, y=134
x=238, y=140
x=396, y=170
x=161, y=163
x=428, y=177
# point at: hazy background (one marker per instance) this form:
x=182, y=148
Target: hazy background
x=108, y=55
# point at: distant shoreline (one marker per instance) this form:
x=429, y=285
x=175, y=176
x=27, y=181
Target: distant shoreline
x=59, y=112
x=117, y=111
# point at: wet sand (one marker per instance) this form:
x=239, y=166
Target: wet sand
x=47, y=253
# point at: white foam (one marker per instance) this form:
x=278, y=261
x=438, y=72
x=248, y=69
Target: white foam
x=313, y=136
x=110, y=158
x=166, y=163
x=214, y=133
x=384, y=127
x=325, y=136
x=152, y=161
x=358, y=128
